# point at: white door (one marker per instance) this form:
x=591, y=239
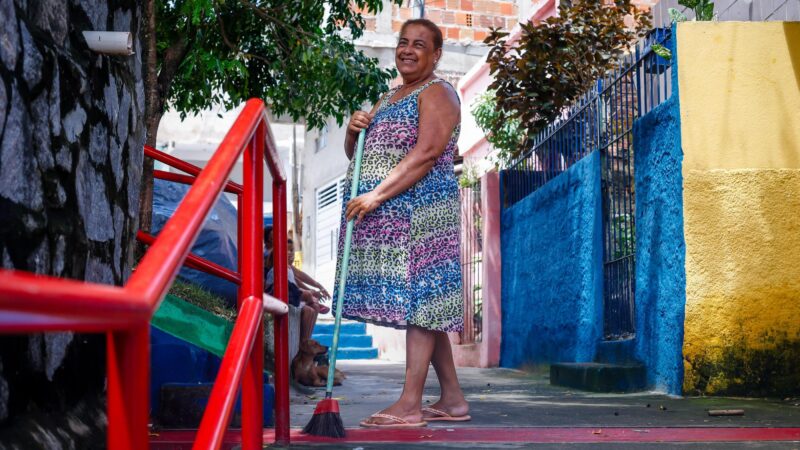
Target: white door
x=329, y=210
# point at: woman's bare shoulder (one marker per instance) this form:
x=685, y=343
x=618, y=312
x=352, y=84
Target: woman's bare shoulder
x=442, y=94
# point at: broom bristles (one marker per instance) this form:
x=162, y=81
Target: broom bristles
x=326, y=420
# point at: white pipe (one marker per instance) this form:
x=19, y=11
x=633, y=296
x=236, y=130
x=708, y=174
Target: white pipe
x=274, y=306
x=110, y=42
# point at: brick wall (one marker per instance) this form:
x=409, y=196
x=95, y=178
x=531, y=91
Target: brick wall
x=460, y=20
x=464, y=20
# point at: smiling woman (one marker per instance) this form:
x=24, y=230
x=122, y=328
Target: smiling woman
x=404, y=269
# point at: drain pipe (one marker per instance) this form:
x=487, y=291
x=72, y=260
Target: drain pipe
x=110, y=42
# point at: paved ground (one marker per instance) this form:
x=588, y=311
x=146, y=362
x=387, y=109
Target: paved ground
x=510, y=398
x=591, y=446
x=503, y=397
x=520, y=410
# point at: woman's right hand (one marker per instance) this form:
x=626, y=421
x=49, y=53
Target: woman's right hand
x=359, y=121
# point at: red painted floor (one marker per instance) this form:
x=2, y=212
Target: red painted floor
x=538, y=435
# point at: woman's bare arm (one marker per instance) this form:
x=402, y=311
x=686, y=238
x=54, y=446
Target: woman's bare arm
x=303, y=277
x=359, y=120
x=439, y=114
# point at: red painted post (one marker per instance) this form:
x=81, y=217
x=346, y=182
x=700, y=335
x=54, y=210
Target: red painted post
x=128, y=365
x=251, y=256
x=281, y=322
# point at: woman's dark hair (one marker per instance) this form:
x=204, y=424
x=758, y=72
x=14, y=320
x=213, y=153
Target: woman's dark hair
x=438, y=40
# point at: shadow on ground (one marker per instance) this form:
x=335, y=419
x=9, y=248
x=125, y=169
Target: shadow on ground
x=510, y=398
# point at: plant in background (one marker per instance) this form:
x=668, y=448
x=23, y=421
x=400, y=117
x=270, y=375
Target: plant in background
x=506, y=138
x=469, y=177
x=661, y=51
x=624, y=232
x=703, y=9
x=556, y=61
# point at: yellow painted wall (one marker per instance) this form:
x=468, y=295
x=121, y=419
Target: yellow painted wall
x=740, y=94
x=740, y=122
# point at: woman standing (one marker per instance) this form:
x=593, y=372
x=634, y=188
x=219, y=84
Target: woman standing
x=404, y=269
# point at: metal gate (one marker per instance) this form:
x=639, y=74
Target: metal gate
x=472, y=263
x=602, y=120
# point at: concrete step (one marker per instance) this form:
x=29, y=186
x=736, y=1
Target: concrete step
x=599, y=377
x=345, y=328
x=356, y=353
x=345, y=340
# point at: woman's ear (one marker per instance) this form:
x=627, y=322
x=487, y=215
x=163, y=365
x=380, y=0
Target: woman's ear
x=437, y=55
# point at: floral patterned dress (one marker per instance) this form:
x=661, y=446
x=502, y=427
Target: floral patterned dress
x=404, y=260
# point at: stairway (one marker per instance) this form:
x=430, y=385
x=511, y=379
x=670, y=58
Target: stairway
x=354, y=342
x=613, y=370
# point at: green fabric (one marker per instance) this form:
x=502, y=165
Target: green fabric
x=193, y=324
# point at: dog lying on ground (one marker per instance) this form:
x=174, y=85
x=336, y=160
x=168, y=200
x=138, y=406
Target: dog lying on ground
x=306, y=371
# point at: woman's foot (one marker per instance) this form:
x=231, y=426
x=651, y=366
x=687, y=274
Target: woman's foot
x=455, y=411
x=405, y=413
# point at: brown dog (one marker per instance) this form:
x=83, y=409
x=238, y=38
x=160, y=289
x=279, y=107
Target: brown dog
x=306, y=371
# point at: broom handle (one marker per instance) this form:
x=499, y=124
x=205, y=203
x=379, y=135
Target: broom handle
x=348, y=237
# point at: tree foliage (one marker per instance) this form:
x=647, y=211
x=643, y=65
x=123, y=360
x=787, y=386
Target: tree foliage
x=703, y=9
x=296, y=55
x=556, y=61
x=287, y=52
x=507, y=137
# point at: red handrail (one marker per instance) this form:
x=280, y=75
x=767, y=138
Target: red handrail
x=195, y=262
x=31, y=303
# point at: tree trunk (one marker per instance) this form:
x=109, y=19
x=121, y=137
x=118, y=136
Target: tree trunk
x=153, y=113
x=156, y=87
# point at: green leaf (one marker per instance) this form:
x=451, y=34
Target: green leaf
x=661, y=51
x=676, y=16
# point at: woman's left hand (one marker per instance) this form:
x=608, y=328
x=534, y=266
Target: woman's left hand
x=362, y=205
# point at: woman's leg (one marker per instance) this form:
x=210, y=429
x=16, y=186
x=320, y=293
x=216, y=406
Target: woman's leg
x=452, y=399
x=420, y=343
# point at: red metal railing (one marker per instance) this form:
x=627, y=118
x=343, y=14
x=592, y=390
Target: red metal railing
x=33, y=303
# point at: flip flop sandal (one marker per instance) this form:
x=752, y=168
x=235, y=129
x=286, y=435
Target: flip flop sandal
x=398, y=422
x=441, y=416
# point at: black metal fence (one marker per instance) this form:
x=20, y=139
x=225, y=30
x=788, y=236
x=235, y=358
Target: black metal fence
x=472, y=262
x=602, y=120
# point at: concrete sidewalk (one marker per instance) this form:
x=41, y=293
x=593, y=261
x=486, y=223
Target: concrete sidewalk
x=515, y=399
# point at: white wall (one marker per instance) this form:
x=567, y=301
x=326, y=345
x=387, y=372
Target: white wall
x=195, y=139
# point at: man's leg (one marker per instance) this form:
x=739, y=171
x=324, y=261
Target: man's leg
x=308, y=317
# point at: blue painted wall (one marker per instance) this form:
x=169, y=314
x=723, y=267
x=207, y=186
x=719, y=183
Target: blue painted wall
x=552, y=301
x=660, y=246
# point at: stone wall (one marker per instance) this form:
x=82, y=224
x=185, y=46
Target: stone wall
x=552, y=270
x=660, y=247
x=71, y=134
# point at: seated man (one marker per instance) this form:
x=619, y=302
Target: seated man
x=302, y=280
x=306, y=299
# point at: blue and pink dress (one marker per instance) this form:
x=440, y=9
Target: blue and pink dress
x=405, y=256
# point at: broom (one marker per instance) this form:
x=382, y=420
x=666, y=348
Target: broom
x=326, y=420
